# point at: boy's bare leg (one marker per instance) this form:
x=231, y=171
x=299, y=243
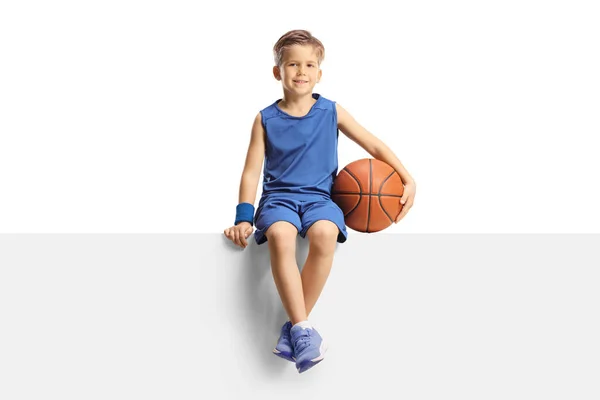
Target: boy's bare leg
x=281, y=238
x=322, y=237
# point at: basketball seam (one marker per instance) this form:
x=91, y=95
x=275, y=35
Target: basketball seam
x=374, y=194
x=380, y=204
x=370, y=191
x=360, y=194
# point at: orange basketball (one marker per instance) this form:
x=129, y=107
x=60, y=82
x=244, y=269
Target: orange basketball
x=368, y=191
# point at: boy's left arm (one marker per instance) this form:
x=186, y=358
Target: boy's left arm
x=379, y=150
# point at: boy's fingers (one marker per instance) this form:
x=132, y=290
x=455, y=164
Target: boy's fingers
x=239, y=237
x=401, y=215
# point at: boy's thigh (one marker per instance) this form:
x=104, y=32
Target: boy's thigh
x=272, y=211
x=323, y=209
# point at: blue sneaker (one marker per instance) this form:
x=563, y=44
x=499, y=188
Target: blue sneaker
x=284, y=348
x=309, y=347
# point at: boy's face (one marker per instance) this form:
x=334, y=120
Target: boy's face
x=299, y=71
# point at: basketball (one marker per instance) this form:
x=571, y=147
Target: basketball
x=368, y=191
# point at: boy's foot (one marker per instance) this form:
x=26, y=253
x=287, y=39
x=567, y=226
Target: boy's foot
x=284, y=348
x=309, y=347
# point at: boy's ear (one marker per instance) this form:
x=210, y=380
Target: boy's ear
x=320, y=74
x=276, y=73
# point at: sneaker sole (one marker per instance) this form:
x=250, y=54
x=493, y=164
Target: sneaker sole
x=285, y=356
x=306, y=365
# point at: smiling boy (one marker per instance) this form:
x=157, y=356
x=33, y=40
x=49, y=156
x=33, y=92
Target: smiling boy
x=297, y=138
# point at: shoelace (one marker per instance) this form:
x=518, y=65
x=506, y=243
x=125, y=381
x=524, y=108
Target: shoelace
x=302, y=341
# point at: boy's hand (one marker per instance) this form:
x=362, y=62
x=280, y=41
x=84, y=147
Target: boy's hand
x=407, y=199
x=239, y=233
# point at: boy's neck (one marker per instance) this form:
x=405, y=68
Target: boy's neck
x=297, y=104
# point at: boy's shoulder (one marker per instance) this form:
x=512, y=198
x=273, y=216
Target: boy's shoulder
x=325, y=103
x=322, y=103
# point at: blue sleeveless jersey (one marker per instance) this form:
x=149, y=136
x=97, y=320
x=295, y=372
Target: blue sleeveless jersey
x=301, y=152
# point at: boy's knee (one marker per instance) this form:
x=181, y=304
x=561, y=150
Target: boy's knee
x=322, y=233
x=281, y=232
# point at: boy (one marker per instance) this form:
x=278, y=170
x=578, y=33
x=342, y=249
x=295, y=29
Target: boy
x=297, y=139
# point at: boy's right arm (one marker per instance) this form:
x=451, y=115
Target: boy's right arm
x=249, y=180
x=254, y=162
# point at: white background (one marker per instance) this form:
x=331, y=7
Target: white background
x=125, y=116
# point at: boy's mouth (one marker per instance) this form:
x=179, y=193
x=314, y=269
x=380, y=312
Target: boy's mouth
x=301, y=82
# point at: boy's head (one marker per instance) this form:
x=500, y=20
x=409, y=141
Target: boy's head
x=298, y=56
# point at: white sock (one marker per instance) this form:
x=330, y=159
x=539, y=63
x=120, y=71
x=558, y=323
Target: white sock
x=303, y=324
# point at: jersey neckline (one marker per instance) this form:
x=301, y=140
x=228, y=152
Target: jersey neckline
x=316, y=96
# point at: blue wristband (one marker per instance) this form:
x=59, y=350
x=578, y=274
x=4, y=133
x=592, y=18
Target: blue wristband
x=244, y=212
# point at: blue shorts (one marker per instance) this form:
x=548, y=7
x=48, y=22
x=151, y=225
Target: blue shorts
x=301, y=210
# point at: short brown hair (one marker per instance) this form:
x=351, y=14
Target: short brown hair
x=300, y=37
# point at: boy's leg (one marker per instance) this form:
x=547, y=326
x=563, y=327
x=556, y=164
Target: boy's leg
x=281, y=237
x=323, y=223
x=322, y=236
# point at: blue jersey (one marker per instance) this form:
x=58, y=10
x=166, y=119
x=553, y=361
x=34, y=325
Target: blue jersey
x=301, y=152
